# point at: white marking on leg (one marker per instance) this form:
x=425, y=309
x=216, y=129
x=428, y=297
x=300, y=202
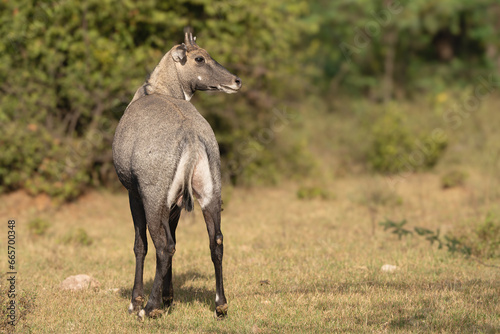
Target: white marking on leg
x=199, y=77
x=141, y=314
x=131, y=308
x=217, y=298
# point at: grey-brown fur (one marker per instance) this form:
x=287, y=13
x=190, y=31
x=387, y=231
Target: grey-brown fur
x=165, y=153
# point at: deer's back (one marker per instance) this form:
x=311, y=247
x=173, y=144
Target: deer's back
x=151, y=136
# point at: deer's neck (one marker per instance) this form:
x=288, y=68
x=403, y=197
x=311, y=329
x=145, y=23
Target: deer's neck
x=165, y=80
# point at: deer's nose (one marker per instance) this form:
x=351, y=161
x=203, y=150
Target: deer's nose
x=237, y=81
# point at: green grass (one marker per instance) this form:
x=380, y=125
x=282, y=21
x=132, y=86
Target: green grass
x=321, y=260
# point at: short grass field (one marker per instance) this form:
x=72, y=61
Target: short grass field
x=290, y=265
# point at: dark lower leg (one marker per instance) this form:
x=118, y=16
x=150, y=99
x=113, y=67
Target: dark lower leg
x=163, y=262
x=165, y=249
x=140, y=250
x=220, y=298
x=211, y=214
x=138, y=289
x=168, y=290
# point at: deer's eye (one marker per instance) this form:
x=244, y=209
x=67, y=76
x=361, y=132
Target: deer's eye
x=199, y=60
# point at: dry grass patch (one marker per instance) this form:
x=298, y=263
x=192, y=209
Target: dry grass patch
x=290, y=266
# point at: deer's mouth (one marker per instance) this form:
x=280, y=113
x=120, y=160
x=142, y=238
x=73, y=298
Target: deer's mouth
x=228, y=89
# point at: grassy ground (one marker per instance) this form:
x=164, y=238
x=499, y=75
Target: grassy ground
x=290, y=265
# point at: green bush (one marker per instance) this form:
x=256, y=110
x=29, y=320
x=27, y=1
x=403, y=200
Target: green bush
x=69, y=69
x=34, y=159
x=396, y=149
x=392, y=141
x=453, y=178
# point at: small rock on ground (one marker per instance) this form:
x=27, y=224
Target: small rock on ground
x=80, y=282
x=389, y=268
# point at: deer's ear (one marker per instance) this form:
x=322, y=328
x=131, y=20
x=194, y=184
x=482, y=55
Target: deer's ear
x=179, y=53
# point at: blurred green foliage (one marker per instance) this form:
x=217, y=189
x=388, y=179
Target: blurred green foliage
x=484, y=240
x=398, y=149
x=68, y=70
x=78, y=237
x=453, y=178
x=402, y=48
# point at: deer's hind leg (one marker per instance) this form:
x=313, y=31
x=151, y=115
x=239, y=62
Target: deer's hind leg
x=206, y=185
x=168, y=290
x=140, y=250
x=157, y=215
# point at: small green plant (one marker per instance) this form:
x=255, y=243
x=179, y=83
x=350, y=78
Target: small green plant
x=453, y=178
x=455, y=245
x=430, y=236
x=38, y=226
x=452, y=244
x=308, y=193
x=397, y=228
x=77, y=237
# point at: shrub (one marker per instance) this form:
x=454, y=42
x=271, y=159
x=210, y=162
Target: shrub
x=453, y=178
x=396, y=149
x=64, y=77
x=34, y=159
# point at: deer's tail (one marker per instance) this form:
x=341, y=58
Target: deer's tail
x=187, y=191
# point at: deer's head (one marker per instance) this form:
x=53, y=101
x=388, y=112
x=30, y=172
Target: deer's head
x=198, y=71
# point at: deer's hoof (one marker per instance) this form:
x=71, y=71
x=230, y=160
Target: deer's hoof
x=141, y=315
x=155, y=313
x=168, y=302
x=136, y=305
x=221, y=312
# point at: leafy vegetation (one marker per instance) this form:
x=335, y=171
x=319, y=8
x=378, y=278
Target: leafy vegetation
x=453, y=178
x=387, y=49
x=68, y=70
x=484, y=241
